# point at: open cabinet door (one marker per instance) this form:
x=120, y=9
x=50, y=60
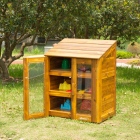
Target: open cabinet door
x=33, y=87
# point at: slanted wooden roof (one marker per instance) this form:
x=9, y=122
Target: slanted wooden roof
x=80, y=48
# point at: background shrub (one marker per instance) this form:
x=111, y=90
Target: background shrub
x=133, y=47
x=124, y=54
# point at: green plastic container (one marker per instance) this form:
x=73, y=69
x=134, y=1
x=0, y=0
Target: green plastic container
x=65, y=64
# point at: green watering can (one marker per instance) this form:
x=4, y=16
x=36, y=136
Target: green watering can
x=65, y=64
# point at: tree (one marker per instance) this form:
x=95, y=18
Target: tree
x=110, y=19
x=23, y=19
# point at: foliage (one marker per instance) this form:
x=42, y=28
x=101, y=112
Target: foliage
x=134, y=62
x=124, y=54
x=111, y=19
x=23, y=21
x=133, y=47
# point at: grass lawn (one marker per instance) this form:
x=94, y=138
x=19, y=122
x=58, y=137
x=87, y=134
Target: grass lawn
x=124, y=126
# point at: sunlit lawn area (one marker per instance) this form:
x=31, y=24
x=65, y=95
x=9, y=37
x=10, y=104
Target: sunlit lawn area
x=124, y=126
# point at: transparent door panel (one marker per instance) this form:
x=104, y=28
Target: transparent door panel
x=36, y=87
x=84, y=89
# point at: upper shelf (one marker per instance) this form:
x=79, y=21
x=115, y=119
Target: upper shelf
x=61, y=72
x=67, y=73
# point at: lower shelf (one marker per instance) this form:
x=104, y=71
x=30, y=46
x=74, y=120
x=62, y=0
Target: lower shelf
x=67, y=114
x=60, y=113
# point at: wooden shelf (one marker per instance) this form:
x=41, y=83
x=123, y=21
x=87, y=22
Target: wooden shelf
x=59, y=93
x=84, y=96
x=67, y=73
x=61, y=72
x=60, y=113
x=83, y=75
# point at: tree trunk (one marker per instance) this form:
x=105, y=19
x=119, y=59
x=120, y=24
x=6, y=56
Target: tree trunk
x=4, y=68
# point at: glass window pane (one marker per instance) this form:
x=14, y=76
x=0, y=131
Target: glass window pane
x=36, y=87
x=84, y=89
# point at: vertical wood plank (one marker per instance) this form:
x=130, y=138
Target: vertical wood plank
x=74, y=89
x=26, y=88
x=47, y=87
x=99, y=89
x=114, y=54
x=94, y=91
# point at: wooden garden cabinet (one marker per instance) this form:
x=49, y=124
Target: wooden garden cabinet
x=91, y=75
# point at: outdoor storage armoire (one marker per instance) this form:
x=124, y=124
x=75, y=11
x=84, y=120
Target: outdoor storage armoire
x=79, y=80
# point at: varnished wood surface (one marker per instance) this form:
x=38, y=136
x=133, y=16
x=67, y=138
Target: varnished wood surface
x=61, y=72
x=26, y=88
x=87, y=41
x=36, y=115
x=83, y=117
x=94, y=91
x=59, y=113
x=81, y=48
x=74, y=89
x=59, y=93
x=47, y=87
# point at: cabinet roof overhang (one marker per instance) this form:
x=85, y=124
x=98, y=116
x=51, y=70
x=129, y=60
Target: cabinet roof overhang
x=81, y=48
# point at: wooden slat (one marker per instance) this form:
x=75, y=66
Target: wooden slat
x=60, y=113
x=83, y=75
x=94, y=91
x=47, y=87
x=36, y=115
x=74, y=89
x=60, y=72
x=84, y=61
x=59, y=93
x=36, y=60
x=106, y=97
x=108, y=114
x=108, y=74
x=107, y=106
x=99, y=90
x=109, y=51
x=26, y=88
x=84, y=96
x=83, y=117
x=107, y=101
x=73, y=45
x=114, y=54
x=108, y=62
x=82, y=52
x=83, y=47
x=87, y=41
x=60, y=54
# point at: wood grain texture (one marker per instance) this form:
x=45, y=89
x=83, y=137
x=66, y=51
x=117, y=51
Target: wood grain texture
x=83, y=117
x=114, y=54
x=59, y=93
x=36, y=115
x=36, y=59
x=99, y=90
x=47, y=87
x=94, y=91
x=84, y=96
x=26, y=88
x=60, y=72
x=60, y=113
x=74, y=89
x=88, y=41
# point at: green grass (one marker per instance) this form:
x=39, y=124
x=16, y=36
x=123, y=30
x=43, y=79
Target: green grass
x=124, y=126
